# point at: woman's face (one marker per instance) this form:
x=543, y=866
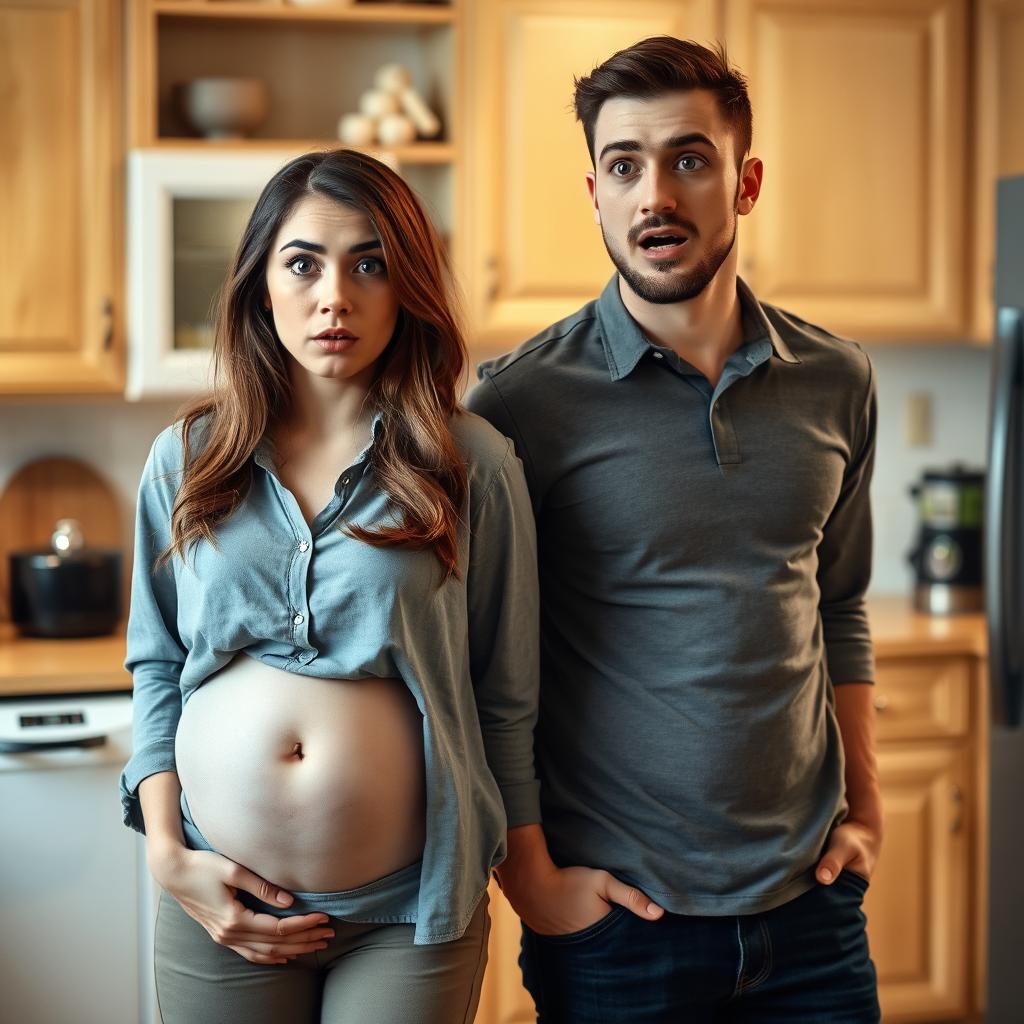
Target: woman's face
x=328, y=289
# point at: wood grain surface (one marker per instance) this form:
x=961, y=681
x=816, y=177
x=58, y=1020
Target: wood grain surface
x=48, y=489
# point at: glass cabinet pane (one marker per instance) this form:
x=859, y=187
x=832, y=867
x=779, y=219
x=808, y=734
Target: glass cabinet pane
x=206, y=235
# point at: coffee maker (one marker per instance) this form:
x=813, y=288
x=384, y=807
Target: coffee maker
x=947, y=560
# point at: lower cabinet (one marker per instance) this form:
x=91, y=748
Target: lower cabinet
x=503, y=999
x=925, y=925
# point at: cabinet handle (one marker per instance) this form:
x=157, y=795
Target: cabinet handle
x=957, y=797
x=107, y=312
x=881, y=702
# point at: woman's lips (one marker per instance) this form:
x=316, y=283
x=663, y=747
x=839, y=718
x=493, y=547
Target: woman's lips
x=335, y=345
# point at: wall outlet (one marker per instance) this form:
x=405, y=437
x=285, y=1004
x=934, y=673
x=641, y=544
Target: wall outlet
x=917, y=419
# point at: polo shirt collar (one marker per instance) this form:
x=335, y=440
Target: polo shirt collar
x=625, y=343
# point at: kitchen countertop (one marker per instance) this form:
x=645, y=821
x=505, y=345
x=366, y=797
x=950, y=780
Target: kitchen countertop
x=37, y=666
x=33, y=666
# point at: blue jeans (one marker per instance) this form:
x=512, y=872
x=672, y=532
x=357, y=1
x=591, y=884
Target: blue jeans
x=806, y=961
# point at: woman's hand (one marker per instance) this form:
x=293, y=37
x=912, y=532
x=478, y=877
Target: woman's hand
x=207, y=885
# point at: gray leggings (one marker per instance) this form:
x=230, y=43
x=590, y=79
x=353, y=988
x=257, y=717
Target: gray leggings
x=368, y=974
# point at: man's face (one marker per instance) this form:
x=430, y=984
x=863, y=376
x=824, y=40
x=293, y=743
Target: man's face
x=667, y=191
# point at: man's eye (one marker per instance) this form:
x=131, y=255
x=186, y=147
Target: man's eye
x=371, y=265
x=690, y=163
x=301, y=266
x=621, y=168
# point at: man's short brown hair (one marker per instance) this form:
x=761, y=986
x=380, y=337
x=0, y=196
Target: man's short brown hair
x=663, y=64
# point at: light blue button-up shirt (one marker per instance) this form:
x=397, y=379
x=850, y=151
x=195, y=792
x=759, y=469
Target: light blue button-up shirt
x=313, y=600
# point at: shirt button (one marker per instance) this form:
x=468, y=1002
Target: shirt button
x=298, y=620
x=658, y=355
x=344, y=481
x=303, y=545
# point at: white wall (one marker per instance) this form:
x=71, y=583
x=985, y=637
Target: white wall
x=956, y=379
x=114, y=437
x=111, y=435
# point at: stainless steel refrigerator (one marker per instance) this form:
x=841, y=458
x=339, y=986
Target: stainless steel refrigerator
x=1004, y=601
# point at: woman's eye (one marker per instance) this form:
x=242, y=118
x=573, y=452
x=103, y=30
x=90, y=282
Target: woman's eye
x=690, y=163
x=371, y=265
x=301, y=266
x=621, y=168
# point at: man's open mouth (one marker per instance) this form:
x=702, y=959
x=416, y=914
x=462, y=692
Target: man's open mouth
x=661, y=241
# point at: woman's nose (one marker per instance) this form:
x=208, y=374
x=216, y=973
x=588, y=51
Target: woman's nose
x=334, y=297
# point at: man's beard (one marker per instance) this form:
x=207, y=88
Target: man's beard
x=671, y=287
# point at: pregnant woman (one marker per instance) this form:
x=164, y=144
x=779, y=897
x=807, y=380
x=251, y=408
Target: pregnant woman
x=333, y=632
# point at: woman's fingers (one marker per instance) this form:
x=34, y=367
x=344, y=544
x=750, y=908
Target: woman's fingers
x=248, y=938
x=264, y=925
x=256, y=958
x=242, y=878
x=279, y=949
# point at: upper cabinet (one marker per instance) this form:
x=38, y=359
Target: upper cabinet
x=533, y=252
x=883, y=126
x=859, y=117
x=998, y=142
x=60, y=201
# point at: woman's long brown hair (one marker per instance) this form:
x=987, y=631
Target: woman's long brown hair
x=414, y=457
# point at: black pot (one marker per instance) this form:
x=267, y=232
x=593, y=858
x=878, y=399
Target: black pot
x=65, y=595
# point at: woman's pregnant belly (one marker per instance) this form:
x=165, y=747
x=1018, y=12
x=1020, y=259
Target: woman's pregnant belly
x=317, y=785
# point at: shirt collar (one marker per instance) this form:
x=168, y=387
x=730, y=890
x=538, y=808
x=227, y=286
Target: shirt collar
x=625, y=344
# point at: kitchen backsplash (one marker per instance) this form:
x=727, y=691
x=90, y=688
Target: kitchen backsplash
x=114, y=436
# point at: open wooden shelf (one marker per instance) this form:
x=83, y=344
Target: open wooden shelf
x=426, y=153
x=364, y=13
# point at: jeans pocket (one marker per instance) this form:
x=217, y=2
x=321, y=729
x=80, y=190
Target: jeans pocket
x=601, y=925
x=859, y=881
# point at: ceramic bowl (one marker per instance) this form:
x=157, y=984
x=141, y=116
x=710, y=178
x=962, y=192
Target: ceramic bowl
x=225, y=108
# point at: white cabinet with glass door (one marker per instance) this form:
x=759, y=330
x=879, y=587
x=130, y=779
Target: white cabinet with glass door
x=186, y=214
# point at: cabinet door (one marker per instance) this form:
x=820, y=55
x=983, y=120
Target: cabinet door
x=534, y=252
x=503, y=1000
x=859, y=118
x=60, y=208
x=917, y=904
x=999, y=141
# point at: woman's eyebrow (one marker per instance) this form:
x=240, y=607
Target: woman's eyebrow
x=298, y=243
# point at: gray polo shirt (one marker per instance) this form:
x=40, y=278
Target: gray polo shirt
x=703, y=558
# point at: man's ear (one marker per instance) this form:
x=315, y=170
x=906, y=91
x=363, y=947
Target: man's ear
x=749, y=188
x=592, y=189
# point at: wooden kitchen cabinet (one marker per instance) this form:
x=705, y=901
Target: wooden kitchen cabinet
x=998, y=142
x=924, y=918
x=859, y=116
x=533, y=252
x=503, y=1000
x=61, y=197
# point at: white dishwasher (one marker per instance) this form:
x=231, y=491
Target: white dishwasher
x=76, y=900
